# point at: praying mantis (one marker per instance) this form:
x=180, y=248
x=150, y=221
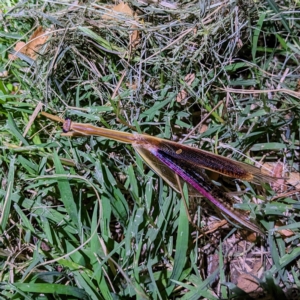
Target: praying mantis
x=169, y=159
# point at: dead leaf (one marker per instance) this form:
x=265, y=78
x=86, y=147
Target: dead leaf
x=189, y=79
x=249, y=236
x=247, y=281
x=213, y=263
x=278, y=171
x=133, y=86
x=294, y=179
x=283, y=232
x=134, y=38
x=286, y=232
x=203, y=128
x=3, y=74
x=124, y=8
x=183, y=94
x=20, y=46
x=37, y=39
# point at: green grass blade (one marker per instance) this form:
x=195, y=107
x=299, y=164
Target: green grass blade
x=183, y=236
x=104, y=43
x=54, y=289
x=6, y=207
x=66, y=191
x=15, y=131
x=256, y=35
x=277, y=11
x=26, y=222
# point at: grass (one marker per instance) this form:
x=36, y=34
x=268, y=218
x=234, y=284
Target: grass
x=85, y=218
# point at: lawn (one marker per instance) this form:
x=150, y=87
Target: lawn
x=84, y=217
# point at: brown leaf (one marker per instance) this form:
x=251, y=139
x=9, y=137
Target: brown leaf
x=4, y=73
x=286, y=232
x=133, y=86
x=31, y=48
x=134, y=38
x=189, y=79
x=183, y=94
x=37, y=40
x=213, y=263
x=20, y=46
x=294, y=179
x=122, y=8
x=249, y=236
x=283, y=232
x=203, y=128
x=247, y=281
x=276, y=170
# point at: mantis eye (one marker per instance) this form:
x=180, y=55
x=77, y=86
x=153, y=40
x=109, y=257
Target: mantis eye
x=67, y=125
